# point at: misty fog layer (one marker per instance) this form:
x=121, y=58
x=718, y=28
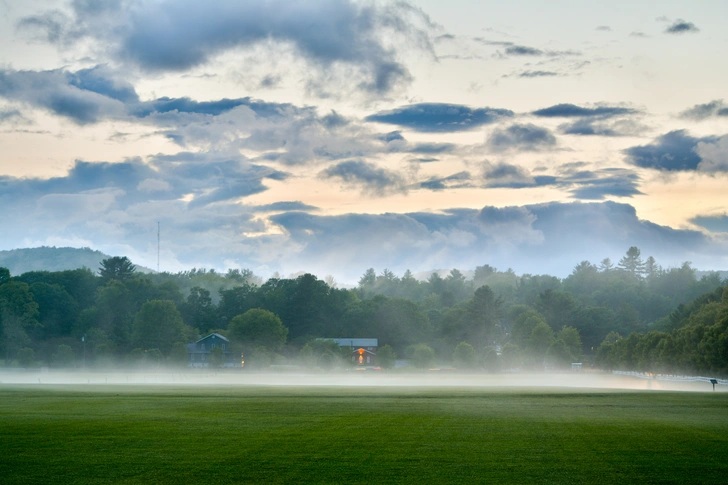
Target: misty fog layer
x=204, y=380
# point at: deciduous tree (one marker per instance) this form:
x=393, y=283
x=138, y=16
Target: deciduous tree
x=258, y=327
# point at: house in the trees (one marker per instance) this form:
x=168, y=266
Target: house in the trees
x=199, y=352
x=363, y=350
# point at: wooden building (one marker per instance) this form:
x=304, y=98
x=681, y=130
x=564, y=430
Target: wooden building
x=199, y=352
x=363, y=350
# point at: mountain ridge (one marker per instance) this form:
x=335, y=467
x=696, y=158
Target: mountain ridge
x=51, y=258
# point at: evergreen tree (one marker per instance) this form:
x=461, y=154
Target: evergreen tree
x=117, y=268
x=632, y=263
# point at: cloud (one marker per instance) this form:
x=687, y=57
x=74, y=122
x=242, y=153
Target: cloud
x=505, y=175
x=681, y=27
x=701, y=112
x=528, y=74
x=526, y=51
x=284, y=206
x=604, y=28
x=597, y=127
x=81, y=96
x=542, y=238
x=440, y=117
x=673, y=151
x=521, y=137
x=115, y=207
x=520, y=50
x=154, y=185
x=366, y=176
x=12, y=116
x=178, y=35
x=599, y=120
x=713, y=223
x=567, y=110
x=457, y=180
x=574, y=178
x=96, y=94
x=598, y=184
x=201, y=179
x=431, y=148
x=713, y=155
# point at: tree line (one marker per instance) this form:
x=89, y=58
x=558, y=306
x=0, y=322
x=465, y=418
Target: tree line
x=485, y=318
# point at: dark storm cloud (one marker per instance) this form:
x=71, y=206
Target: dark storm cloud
x=681, y=27
x=182, y=34
x=713, y=223
x=567, y=110
x=701, y=112
x=521, y=137
x=369, y=178
x=440, y=117
x=673, y=151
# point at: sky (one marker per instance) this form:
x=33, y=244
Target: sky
x=333, y=136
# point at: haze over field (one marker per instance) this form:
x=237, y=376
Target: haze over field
x=334, y=136
x=99, y=380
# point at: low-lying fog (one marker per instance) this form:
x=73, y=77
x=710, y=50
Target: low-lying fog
x=584, y=380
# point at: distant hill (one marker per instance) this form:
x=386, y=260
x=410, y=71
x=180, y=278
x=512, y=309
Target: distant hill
x=44, y=258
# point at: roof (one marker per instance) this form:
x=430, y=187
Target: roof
x=356, y=342
x=215, y=335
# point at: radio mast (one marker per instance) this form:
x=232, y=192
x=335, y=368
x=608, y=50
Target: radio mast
x=157, y=247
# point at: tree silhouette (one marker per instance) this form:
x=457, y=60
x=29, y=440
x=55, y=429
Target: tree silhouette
x=117, y=268
x=632, y=263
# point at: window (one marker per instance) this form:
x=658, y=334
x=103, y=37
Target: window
x=202, y=346
x=368, y=359
x=223, y=346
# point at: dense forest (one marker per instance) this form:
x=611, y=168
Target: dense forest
x=632, y=315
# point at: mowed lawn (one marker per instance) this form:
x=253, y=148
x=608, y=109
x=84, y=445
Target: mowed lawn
x=183, y=435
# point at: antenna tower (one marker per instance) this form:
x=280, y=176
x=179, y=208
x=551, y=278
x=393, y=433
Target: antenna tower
x=157, y=246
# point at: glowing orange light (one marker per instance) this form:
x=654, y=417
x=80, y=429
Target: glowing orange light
x=361, y=351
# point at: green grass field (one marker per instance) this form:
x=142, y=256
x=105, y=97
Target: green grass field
x=359, y=435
